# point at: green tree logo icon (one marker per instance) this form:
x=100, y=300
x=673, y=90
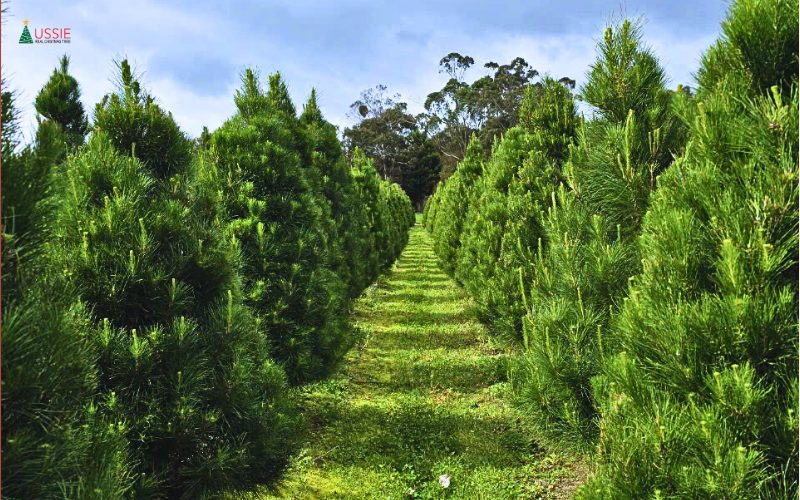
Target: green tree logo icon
x=25, y=37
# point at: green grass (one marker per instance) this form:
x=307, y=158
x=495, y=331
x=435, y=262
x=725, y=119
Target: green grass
x=423, y=394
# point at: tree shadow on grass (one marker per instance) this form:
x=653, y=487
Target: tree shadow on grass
x=411, y=431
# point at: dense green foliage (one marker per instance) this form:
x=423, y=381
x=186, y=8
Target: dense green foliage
x=194, y=284
x=701, y=399
x=656, y=273
x=446, y=210
x=181, y=359
x=173, y=308
x=56, y=442
x=59, y=101
x=279, y=218
x=487, y=218
x=590, y=229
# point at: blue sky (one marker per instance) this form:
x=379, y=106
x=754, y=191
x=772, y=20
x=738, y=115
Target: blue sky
x=190, y=53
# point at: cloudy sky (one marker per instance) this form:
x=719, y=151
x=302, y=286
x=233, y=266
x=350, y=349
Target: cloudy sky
x=190, y=53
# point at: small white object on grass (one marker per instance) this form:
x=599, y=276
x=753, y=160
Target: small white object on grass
x=444, y=480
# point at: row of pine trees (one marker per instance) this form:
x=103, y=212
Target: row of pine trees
x=162, y=296
x=646, y=259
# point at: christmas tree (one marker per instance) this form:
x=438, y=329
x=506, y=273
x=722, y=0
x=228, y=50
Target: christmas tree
x=60, y=101
x=55, y=443
x=139, y=232
x=349, y=242
x=590, y=234
x=278, y=216
x=450, y=204
x=486, y=219
x=701, y=399
x=25, y=37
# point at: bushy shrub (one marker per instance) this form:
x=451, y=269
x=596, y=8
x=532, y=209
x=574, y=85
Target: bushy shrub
x=701, y=400
x=181, y=360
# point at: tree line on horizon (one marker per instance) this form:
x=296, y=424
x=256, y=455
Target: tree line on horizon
x=162, y=297
x=645, y=261
x=417, y=151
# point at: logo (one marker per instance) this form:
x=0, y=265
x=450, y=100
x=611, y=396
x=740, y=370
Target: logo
x=45, y=35
x=25, y=37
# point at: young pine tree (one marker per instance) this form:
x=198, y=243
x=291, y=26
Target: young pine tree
x=702, y=399
x=368, y=187
x=59, y=101
x=55, y=443
x=399, y=214
x=349, y=239
x=581, y=276
x=486, y=218
x=181, y=360
x=26, y=173
x=276, y=210
x=549, y=115
x=429, y=211
x=452, y=200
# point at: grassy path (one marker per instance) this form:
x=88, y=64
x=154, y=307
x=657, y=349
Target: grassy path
x=423, y=394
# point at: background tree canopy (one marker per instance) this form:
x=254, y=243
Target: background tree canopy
x=418, y=151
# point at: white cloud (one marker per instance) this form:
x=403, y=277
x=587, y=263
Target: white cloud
x=371, y=44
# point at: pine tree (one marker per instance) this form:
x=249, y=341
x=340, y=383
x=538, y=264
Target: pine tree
x=136, y=125
x=59, y=101
x=454, y=197
x=10, y=119
x=368, y=187
x=55, y=443
x=580, y=276
x=349, y=245
x=182, y=361
x=278, y=215
x=203, y=142
x=549, y=115
x=486, y=220
x=504, y=205
x=431, y=206
x=389, y=215
x=277, y=96
x=701, y=400
x=26, y=176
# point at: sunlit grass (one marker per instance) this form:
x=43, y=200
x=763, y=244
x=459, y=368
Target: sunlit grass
x=423, y=394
